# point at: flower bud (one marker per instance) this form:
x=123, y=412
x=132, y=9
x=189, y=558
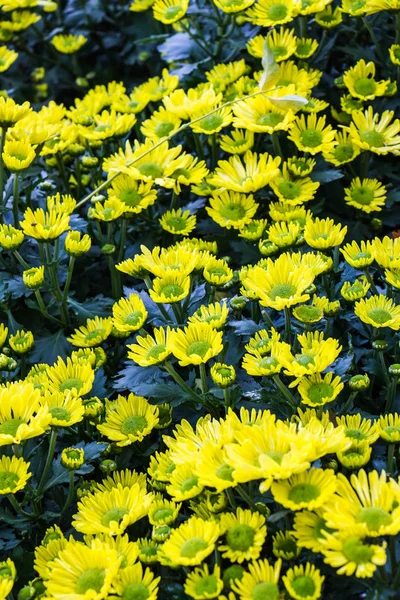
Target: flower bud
x=77, y=244
x=108, y=466
x=394, y=370
x=238, y=303
x=93, y=407
x=223, y=375
x=108, y=249
x=164, y=416
x=380, y=345
x=47, y=186
x=263, y=509
x=376, y=224
x=27, y=592
x=332, y=308
x=89, y=161
x=72, y=458
x=160, y=533
x=21, y=342
x=97, y=198
x=33, y=278
x=359, y=382
x=267, y=248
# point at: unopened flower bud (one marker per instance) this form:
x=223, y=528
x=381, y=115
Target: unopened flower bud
x=359, y=382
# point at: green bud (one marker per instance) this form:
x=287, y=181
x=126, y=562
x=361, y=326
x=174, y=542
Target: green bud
x=164, y=416
x=27, y=592
x=376, y=224
x=76, y=149
x=46, y=186
x=81, y=82
x=339, y=83
x=12, y=365
x=108, y=249
x=238, y=303
x=72, y=458
x=108, y=466
x=97, y=198
x=232, y=573
x=89, y=161
x=263, y=509
x=359, y=382
x=39, y=586
x=394, y=369
x=380, y=345
x=160, y=533
x=311, y=289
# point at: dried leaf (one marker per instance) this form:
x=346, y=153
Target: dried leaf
x=271, y=71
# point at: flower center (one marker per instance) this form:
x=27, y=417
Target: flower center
x=161, y=514
x=173, y=12
x=133, y=318
x=10, y=427
x=225, y=472
x=265, y=591
x=133, y=425
x=283, y=290
x=212, y=122
x=311, y=138
x=189, y=483
x=320, y=392
x=365, y=86
x=177, y=223
x=392, y=430
x=199, y=348
x=92, y=579
x=305, y=360
x=278, y=12
x=268, y=363
x=343, y=152
x=309, y=313
x=96, y=334
x=374, y=518
x=207, y=587
x=380, y=315
x=70, y=384
x=363, y=195
x=372, y=138
x=156, y=351
x=233, y=212
x=304, y=586
x=355, y=434
x=164, y=129
x=115, y=514
x=8, y=481
x=136, y=591
x=270, y=119
x=289, y=190
x=130, y=197
x=151, y=170
x=240, y=537
x=304, y=492
x=192, y=547
x=60, y=413
x=354, y=550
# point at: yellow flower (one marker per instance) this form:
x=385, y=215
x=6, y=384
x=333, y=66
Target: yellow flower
x=214, y=314
x=129, y=420
x=255, y=172
x=7, y=57
x=269, y=13
x=18, y=156
x=323, y=233
x=10, y=237
x=356, y=290
x=217, y=271
x=310, y=490
x=238, y=142
x=178, y=222
x=360, y=81
x=386, y=252
x=293, y=190
x=191, y=542
x=305, y=48
x=137, y=582
x=283, y=234
x=233, y=6
x=68, y=44
x=303, y=582
x=161, y=124
x=223, y=375
x=351, y=555
x=129, y=314
x=150, y=350
x=163, y=511
x=394, y=53
x=169, y=11
x=21, y=414
x=134, y=195
x=367, y=195
x=259, y=581
x=378, y=311
x=316, y=355
x=141, y=5
x=389, y=428
x=244, y=535
x=11, y=112
x=318, y=390
x=92, y=334
x=70, y=378
x=259, y=115
x=172, y=287
x=8, y=574
x=77, y=244
x=13, y=477
x=358, y=256
x=329, y=17
x=311, y=135
x=83, y=572
x=65, y=410
x=107, y=211
x=375, y=133
x=311, y=313
x=358, y=429
x=202, y=585
x=22, y=341
x=309, y=529
x=261, y=366
x=195, y=344
x=44, y=226
x=211, y=123
x=345, y=151
x=281, y=285
x=231, y=209
x=253, y=230
x=111, y=511
x=356, y=456
x=300, y=166
x=33, y=278
x=183, y=483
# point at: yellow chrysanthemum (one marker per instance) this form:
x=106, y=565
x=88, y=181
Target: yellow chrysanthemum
x=195, y=344
x=150, y=350
x=191, y=542
x=129, y=420
x=378, y=311
x=92, y=334
x=129, y=314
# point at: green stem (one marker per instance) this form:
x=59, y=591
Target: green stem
x=392, y=554
x=378, y=48
x=214, y=151
x=383, y=368
x=287, y=324
x=276, y=144
x=364, y=165
x=17, y=507
x=370, y=281
x=203, y=377
x=23, y=366
x=49, y=460
x=391, y=394
x=178, y=379
x=71, y=491
x=397, y=40
x=21, y=261
x=303, y=26
x=348, y=403
x=69, y=278
x=43, y=308
x=227, y=398
x=2, y=173
x=124, y=226
x=391, y=462
x=285, y=392
x=246, y=497
x=15, y=199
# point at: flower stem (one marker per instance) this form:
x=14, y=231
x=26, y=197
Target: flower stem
x=182, y=384
x=348, y=403
x=285, y=392
x=371, y=32
x=203, y=377
x=71, y=491
x=49, y=460
x=15, y=199
x=17, y=507
x=391, y=461
x=391, y=395
x=287, y=324
x=2, y=174
x=246, y=497
x=370, y=281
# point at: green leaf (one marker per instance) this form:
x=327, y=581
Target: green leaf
x=47, y=349
x=271, y=70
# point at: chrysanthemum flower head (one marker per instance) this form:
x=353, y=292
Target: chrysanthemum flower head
x=92, y=334
x=195, y=344
x=68, y=44
x=149, y=350
x=367, y=195
x=378, y=311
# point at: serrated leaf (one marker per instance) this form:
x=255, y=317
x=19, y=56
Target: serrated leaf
x=327, y=175
x=271, y=70
x=289, y=102
x=47, y=349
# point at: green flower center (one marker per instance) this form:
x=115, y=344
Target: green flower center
x=225, y=472
x=5, y=572
x=199, y=348
x=283, y=290
x=8, y=481
x=164, y=129
x=211, y=122
x=207, y=586
x=304, y=586
x=133, y=318
x=278, y=12
x=233, y=212
x=156, y=351
x=374, y=518
x=240, y=537
x=115, y=514
x=343, y=152
x=161, y=514
x=269, y=363
x=279, y=51
x=289, y=190
x=311, y=138
x=92, y=579
x=96, y=334
x=355, y=434
x=11, y=426
x=287, y=547
x=355, y=551
x=217, y=271
x=363, y=195
x=309, y=314
x=173, y=12
x=70, y=384
x=189, y=483
x=365, y=86
x=320, y=392
x=151, y=170
x=265, y=591
x=373, y=138
x=192, y=547
x=270, y=119
x=172, y=290
x=319, y=528
x=380, y=315
x=136, y=591
x=304, y=492
x=133, y=425
x=392, y=430
x=60, y=413
x=305, y=360
x=303, y=49
x=130, y=197
x=177, y=223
